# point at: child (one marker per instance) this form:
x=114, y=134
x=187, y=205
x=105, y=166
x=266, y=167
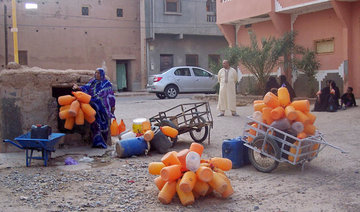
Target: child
x=348, y=99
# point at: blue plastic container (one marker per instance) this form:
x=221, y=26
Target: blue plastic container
x=131, y=146
x=235, y=150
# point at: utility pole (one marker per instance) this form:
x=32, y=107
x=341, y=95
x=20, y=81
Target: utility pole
x=5, y=31
x=14, y=30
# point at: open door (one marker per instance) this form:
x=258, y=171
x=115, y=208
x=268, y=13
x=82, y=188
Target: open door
x=121, y=75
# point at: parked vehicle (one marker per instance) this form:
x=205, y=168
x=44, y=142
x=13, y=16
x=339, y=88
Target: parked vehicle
x=182, y=79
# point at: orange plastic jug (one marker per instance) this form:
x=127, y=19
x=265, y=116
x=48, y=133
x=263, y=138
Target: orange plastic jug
x=170, y=173
x=311, y=116
x=148, y=135
x=204, y=174
x=266, y=115
x=79, y=119
x=188, y=181
x=145, y=126
x=309, y=129
x=167, y=192
x=301, y=135
x=218, y=183
x=293, y=150
x=122, y=126
x=159, y=182
x=89, y=119
x=229, y=189
x=313, y=148
x=186, y=198
x=252, y=132
x=155, y=167
x=69, y=123
x=290, y=113
x=87, y=109
x=169, y=131
x=302, y=105
x=82, y=97
x=170, y=158
x=258, y=101
x=182, y=158
x=65, y=107
x=74, y=108
x=221, y=163
x=277, y=113
x=259, y=106
x=271, y=100
x=114, y=128
x=64, y=114
x=283, y=96
x=196, y=147
x=201, y=187
x=66, y=100
x=301, y=117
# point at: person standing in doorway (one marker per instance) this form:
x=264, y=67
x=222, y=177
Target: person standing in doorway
x=227, y=78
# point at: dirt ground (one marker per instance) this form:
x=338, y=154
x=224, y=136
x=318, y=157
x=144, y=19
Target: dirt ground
x=330, y=182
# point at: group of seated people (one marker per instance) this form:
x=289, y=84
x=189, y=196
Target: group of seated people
x=328, y=98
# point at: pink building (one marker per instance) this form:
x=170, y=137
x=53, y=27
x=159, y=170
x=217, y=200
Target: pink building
x=330, y=27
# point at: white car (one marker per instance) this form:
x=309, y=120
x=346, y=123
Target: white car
x=182, y=79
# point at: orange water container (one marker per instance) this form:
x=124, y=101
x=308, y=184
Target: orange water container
x=204, y=174
x=79, y=119
x=66, y=100
x=74, y=108
x=301, y=135
x=122, y=126
x=89, y=119
x=301, y=117
x=65, y=107
x=196, y=147
x=170, y=158
x=170, y=173
x=167, y=192
x=186, y=198
x=182, y=158
x=220, y=171
x=87, y=109
x=82, y=97
x=69, y=123
x=290, y=113
x=311, y=116
x=258, y=101
x=271, y=100
x=155, y=167
x=252, y=132
x=309, y=129
x=201, y=187
x=218, y=183
x=283, y=96
x=188, y=181
x=114, y=129
x=221, y=163
x=266, y=115
x=302, y=105
x=259, y=106
x=293, y=150
x=148, y=135
x=169, y=131
x=277, y=113
x=159, y=182
x=313, y=148
x=146, y=126
x=229, y=189
x=64, y=114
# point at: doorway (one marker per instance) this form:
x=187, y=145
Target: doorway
x=121, y=75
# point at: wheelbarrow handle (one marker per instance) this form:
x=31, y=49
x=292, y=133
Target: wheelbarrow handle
x=13, y=143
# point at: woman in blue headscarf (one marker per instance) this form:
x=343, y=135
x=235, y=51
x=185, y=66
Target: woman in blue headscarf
x=103, y=101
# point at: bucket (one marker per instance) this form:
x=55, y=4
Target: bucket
x=160, y=142
x=141, y=125
x=234, y=150
x=131, y=146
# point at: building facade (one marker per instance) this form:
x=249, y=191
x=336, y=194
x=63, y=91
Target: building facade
x=330, y=27
x=78, y=34
x=181, y=32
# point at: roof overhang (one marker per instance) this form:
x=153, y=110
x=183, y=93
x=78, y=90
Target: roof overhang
x=304, y=8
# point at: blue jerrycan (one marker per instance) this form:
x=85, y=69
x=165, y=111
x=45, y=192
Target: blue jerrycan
x=234, y=150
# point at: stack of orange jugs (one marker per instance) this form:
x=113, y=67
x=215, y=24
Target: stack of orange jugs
x=75, y=109
x=179, y=174
x=296, y=115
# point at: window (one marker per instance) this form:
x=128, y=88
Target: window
x=85, y=11
x=211, y=18
x=324, y=46
x=166, y=62
x=23, y=58
x=201, y=73
x=182, y=72
x=214, y=59
x=210, y=6
x=192, y=60
x=172, y=6
x=119, y=12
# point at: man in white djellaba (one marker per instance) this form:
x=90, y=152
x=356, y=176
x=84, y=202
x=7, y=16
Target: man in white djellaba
x=227, y=78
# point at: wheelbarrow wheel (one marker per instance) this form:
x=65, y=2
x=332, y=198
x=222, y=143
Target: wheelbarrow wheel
x=169, y=123
x=260, y=161
x=201, y=132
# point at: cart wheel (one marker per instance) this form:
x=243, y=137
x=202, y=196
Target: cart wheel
x=199, y=135
x=261, y=162
x=169, y=123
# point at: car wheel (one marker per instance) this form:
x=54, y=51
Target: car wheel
x=171, y=91
x=161, y=95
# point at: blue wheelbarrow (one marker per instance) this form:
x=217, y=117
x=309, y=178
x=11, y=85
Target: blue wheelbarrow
x=46, y=146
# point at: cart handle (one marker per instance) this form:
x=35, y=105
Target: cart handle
x=13, y=143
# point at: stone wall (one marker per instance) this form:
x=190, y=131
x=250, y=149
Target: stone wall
x=27, y=97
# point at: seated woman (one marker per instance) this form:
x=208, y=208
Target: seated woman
x=348, y=99
x=103, y=101
x=271, y=83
